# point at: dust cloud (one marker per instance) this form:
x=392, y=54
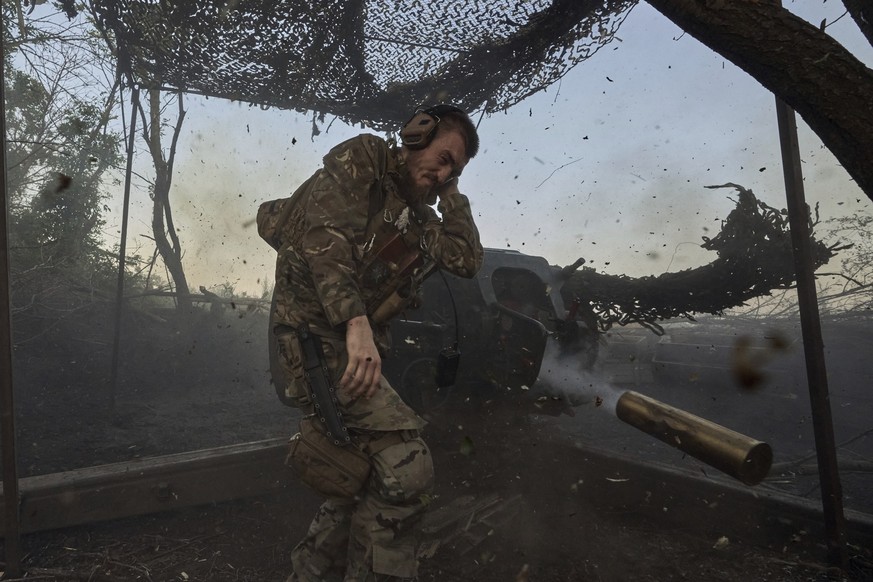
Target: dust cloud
x=562, y=376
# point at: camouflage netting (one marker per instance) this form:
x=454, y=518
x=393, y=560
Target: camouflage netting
x=755, y=256
x=365, y=62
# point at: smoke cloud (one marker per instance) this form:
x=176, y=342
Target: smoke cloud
x=562, y=376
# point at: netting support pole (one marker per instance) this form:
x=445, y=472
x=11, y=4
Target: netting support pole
x=813, y=346
x=122, y=248
x=11, y=497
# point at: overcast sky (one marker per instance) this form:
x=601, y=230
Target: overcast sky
x=610, y=164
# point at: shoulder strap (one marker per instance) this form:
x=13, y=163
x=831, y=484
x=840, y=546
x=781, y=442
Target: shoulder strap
x=383, y=163
x=383, y=158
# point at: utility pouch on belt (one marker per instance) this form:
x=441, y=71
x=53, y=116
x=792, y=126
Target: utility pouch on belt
x=332, y=471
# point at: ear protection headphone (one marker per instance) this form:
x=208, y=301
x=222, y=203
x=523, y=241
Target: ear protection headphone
x=419, y=131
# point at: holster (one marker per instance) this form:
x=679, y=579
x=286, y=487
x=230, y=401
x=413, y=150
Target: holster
x=323, y=392
x=394, y=267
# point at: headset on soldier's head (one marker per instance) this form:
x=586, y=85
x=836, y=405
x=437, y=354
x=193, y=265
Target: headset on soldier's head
x=418, y=132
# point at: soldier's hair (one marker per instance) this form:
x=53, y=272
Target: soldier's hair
x=454, y=118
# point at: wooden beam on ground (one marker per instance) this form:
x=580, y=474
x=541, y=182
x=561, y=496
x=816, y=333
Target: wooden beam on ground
x=757, y=515
x=152, y=485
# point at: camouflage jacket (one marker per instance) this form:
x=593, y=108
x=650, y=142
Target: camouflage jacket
x=322, y=274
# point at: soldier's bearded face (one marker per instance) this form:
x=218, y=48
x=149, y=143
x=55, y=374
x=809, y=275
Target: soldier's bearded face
x=427, y=169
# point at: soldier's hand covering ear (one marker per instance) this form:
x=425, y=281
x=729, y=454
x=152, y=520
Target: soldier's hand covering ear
x=364, y=370
x=449, y=187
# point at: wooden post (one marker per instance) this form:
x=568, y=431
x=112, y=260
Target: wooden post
x=813, y=346
x=12, y=516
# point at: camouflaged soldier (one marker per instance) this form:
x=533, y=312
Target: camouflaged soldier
x=338, y=261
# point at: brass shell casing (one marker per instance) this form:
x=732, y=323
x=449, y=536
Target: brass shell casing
x=735, y=454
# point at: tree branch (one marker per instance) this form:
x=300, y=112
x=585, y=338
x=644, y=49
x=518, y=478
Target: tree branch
x=168, y=211
x=862, y=13
x=810, y=71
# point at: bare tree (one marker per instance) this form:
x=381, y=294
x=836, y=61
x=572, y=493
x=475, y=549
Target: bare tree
x=163, y=228
x=851, y=287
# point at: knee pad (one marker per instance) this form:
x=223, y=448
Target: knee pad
x=403, y=472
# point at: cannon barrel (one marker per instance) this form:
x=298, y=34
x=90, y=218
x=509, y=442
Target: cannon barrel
x=739, y=456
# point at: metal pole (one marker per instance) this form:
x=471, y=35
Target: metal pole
x=813, y=346
x=122, y=247
x=11, y=501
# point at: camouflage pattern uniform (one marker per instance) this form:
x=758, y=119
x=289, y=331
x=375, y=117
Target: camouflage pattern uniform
x=322, y=280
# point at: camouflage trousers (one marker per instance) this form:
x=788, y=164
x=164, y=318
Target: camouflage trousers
x=373, y=537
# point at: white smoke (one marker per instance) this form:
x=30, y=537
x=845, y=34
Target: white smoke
x=562, y=376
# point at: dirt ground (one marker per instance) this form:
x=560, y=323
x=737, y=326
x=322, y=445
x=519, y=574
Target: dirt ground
x=537, y=516
x=541, y=527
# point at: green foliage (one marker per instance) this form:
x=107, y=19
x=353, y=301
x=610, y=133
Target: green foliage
x=60, y=152
x=65, y=218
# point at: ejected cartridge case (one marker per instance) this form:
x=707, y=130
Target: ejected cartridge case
x=739, y=456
